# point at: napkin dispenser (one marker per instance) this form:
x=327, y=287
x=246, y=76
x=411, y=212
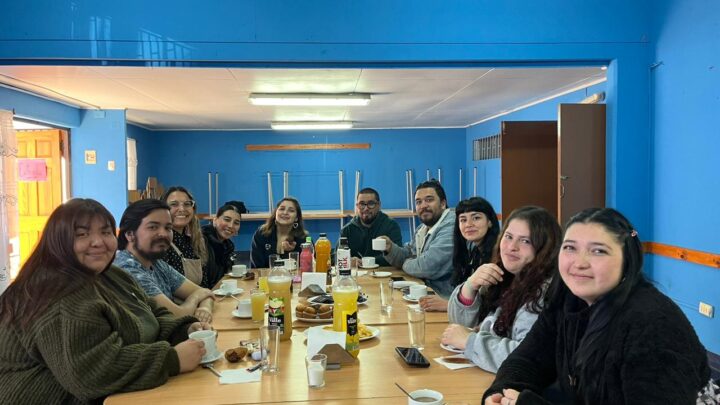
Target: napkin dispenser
x=337, y=356
x=311, y=291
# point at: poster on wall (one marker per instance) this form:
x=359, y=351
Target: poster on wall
x=32, y=170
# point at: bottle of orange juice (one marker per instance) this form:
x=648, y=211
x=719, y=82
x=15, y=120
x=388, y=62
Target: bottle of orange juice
x=279, y=305
x=323, y=247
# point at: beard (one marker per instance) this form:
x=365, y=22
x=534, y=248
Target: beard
x=370, y=219
x=152, y=255
x=432, y=220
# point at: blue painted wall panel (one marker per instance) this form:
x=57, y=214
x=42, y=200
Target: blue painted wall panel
x=104, y=132
x=38, y=109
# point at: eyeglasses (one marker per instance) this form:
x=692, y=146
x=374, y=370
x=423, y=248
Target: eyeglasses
x=185, y=204
x=363, y=205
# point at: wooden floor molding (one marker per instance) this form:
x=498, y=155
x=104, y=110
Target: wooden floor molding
x=680, y=253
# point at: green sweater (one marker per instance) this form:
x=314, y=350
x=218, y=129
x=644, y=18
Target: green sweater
x=360, y=237
x=103, y=338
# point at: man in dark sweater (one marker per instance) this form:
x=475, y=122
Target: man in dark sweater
x=369, y=223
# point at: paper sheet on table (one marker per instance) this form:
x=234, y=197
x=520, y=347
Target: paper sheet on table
x=319, y=337
x=454, y=366
x=239, y=376
x=313, y=278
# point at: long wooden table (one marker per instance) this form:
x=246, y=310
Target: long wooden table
x=371, y=379
x=369, y=313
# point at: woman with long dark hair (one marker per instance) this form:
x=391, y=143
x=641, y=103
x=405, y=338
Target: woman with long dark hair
x=74, y=328
x=606, y=336
x=476, y=230
x=282, y=233
x=502, y=299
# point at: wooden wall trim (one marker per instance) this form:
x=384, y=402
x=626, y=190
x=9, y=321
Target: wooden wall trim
x=310, y=146
x=684, y=254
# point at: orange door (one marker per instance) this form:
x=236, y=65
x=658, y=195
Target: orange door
x=37, y=199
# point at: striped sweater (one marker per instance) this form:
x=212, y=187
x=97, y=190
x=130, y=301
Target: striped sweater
x=103, y=338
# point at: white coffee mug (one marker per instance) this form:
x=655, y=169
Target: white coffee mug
x=368, y=261
x=417, y=291
x=379, y=244
x=239, y=270
x=228, y=286
x=425, y=397
x=208, y=338
x=244, y=307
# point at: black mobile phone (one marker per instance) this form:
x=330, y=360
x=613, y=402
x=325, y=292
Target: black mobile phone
x=412, y=357
x=397, y=278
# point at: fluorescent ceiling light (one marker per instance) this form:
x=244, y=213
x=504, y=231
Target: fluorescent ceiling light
x=309, y=125
x=310, y=99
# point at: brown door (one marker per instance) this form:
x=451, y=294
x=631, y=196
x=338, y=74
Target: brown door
x=37, y=197
x=581, y=153
x=529, y=162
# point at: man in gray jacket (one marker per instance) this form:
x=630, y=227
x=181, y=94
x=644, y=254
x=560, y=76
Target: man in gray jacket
x=429, y=255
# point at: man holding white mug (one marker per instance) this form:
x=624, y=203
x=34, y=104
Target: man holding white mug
x=369, y=223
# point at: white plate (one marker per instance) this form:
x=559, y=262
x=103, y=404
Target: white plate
x=312, y=300
x=374, y=266
x=375, y=332
x=222, y=293
x=238, y=276
x=217, y=356
x=319, y=320
x=237, y=314
x=381, y=274
x=451, y=348
x=410, y=299
x=402, y=284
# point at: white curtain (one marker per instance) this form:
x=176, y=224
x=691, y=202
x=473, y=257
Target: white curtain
x=8, y=198
x=132, y=164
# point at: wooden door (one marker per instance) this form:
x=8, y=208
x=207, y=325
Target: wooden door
x=37, y=199
x=529, y=162
x=581, y=154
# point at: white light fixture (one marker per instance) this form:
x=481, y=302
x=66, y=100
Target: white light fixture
x=310, y=99
x=309, y=125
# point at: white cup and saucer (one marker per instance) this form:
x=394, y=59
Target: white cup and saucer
x=425, y=397
x=243, y=309
x=228, y=287
x=369, y=263
x=379, y=244
x=415, y=292
x=238, y=270
x=209, y=338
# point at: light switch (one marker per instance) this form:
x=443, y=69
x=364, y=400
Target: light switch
x=111, y=165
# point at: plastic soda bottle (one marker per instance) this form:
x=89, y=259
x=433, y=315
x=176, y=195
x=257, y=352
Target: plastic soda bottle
x=345, y=296
x=279, y=305
x=323, y=247
x=306, y=258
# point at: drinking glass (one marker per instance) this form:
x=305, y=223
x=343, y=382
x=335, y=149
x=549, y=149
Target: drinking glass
x=416, y=325
x=270, y=346
x=316, y=365
x=386, y=297
x=258, y=297
x=262, y=280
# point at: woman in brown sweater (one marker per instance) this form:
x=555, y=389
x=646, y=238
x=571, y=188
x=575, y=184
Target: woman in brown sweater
x=74, y=329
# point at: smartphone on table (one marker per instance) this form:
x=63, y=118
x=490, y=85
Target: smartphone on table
x=412, y=357
x=397, y=278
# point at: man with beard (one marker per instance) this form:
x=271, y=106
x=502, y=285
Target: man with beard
x=145, y=235
x=368, y=224
x=429, y=255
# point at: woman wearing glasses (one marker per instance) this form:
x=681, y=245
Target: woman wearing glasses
x=188, y=253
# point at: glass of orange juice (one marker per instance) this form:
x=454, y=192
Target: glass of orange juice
x=257, y=296
x=262, y=281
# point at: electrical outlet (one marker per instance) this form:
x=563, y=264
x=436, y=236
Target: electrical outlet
x=706, y=309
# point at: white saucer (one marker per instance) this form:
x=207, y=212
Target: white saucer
x=381, y=274
x=451, y=348
x=237, y=276
x=217, y=356
x=221, y=293
x=374, y=266
x=237, y=314
x=410, y=299
x=398, y=285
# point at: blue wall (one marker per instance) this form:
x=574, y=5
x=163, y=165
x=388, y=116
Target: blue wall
x=104, y=132
x=185, y=158
x=488, y=171
x=38, y=109
x=686, y=184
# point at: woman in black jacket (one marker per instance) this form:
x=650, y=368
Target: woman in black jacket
x=282, y=233
x=218, y=236
x=607, y=335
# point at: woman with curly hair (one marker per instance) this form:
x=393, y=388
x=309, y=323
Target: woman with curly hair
x=282, y=233
x=502, y=299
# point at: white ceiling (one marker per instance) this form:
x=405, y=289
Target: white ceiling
x=217, y=98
